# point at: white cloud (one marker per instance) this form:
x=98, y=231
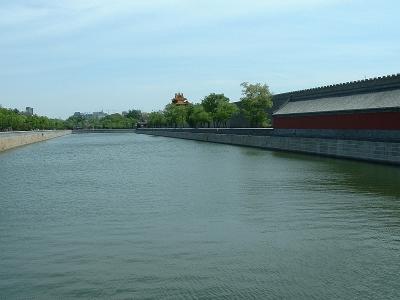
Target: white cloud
x=23, y=21
x=58, y=17
x=17, y=14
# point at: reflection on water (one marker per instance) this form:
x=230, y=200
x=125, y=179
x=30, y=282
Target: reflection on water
x=132, y=216
x=360, y=176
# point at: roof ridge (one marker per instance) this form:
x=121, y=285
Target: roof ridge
x=347, y=83
x=366, y=85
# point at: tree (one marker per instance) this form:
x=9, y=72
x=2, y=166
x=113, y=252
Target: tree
x=211, y=102
x=255, y=102
x=118, y=121
x=113, y=121
x=13, y=119
x=156, y=119
x=175, y=115
x=224, y=112
x=134, y=114
x=198, y=115
x=75, y=122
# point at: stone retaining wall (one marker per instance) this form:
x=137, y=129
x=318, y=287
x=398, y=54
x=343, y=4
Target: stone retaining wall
x=374, y=151
x=14, y=139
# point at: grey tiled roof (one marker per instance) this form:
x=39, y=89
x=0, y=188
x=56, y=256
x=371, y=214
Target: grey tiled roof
x=377, y=100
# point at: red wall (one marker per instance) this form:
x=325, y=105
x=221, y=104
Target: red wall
x=376, y=120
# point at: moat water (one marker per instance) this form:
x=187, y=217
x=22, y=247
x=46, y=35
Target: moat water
x=126, y=216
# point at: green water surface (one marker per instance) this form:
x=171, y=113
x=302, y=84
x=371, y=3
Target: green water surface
x=126, y=216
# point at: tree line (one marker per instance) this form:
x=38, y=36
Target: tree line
x=215, y=110
x=13, y=119
x=113, y=121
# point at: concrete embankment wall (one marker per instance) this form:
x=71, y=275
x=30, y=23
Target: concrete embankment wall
x=14, y=139
x=368, y=150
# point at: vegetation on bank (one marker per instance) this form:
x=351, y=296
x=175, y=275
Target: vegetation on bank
x=256, y=100
x=214, y=110
x=13, y=119
x=113, y=121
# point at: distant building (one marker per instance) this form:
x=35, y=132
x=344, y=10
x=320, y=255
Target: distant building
x=179, y=99
x=29, y=111
x=77, y=114
x=98, y=115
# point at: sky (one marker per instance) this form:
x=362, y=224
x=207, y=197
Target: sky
x=63, y=56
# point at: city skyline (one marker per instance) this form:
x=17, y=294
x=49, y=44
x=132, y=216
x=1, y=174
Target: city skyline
x=92, y=55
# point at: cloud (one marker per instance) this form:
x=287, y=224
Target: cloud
x=49, y=18
x=22, y=21
x=12, y=15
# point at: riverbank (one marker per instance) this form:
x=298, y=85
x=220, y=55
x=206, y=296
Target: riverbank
x=13, y=139
x=366, y=149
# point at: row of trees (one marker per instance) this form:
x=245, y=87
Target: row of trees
x=113, y=121
x=216, y=109
x=12, y=119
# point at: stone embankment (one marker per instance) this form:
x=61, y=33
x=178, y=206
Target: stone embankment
x=12, y=139
x=366, y=148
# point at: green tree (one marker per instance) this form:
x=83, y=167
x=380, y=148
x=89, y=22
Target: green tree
x=210, y=104
x=211, y=101
x=13, y=119
x=114, y=121
x=117, y=121
x=176, y=115
x=199, y=116
x=224, y=112
x=156, y=119
x=256, y=100
x=75, y=122
x=135, y=114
